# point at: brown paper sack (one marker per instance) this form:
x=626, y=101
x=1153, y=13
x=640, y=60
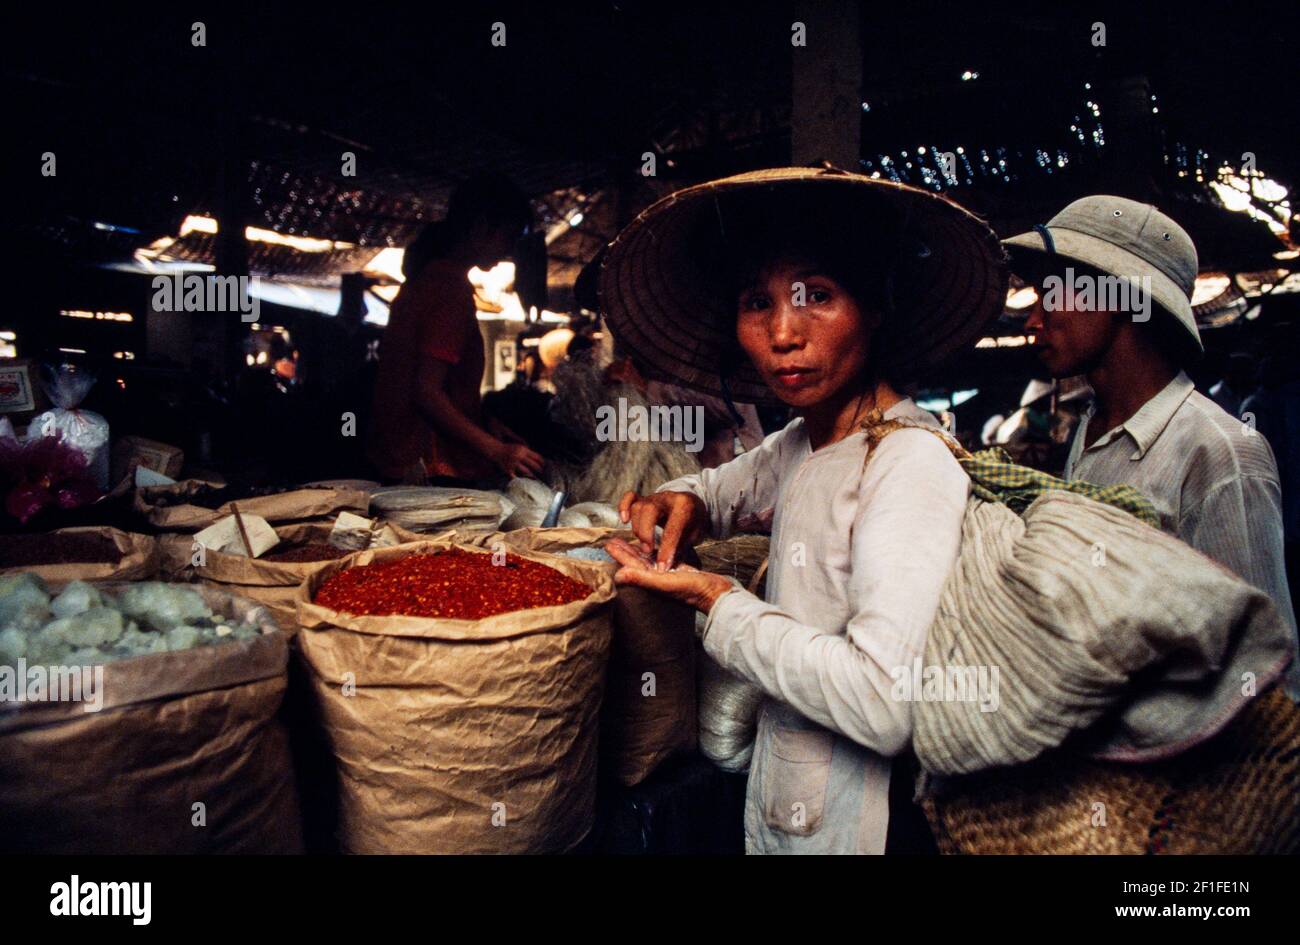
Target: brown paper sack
x=140, y=560
x=459, y=736
x=652, y=635
x=176, y=730
x=273, y=584
x=297, y=505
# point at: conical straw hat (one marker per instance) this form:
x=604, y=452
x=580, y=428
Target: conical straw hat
x=663, y=300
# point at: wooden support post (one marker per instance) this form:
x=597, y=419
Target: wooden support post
x=826, y=104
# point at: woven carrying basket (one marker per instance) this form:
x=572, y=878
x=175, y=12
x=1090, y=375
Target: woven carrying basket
x=1238, y=793
x=743, y=557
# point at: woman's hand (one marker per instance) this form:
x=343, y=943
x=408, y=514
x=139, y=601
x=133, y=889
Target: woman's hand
x=683, y=515
x=697, y=589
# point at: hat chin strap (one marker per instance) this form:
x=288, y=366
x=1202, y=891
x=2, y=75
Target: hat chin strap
x=1049, y=243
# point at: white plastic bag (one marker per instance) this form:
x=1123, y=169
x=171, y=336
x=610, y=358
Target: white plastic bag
x=86, y=431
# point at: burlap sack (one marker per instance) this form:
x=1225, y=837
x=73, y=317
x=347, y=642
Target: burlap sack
x=194, y=727
x=298, y=505
x=458, y=736
x=139, y=560
x=1077, y=616
x=271, y=583
x=649, y=711
x=275, y=585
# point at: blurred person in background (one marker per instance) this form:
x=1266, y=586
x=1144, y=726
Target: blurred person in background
x=730, y=429
x=427, y=419
x=552, y=350
x=1237, y=384
x=1274, y=411
x=1038, y=434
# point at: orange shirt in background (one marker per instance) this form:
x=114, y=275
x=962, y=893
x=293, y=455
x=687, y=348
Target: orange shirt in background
x=433, y=316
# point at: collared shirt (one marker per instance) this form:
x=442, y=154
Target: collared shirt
x=858, y=561
x=1212, y=479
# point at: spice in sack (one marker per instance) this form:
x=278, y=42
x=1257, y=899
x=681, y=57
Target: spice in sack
x=310, y=551
x=453, y=585
x=19, y=551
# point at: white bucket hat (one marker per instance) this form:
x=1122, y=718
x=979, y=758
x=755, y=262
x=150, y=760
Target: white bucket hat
x=1123, y=238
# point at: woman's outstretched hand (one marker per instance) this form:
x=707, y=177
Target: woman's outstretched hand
x=697, y=589
x=684, y=517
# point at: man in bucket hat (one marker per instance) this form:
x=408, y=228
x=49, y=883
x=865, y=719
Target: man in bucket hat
x=1115, y=280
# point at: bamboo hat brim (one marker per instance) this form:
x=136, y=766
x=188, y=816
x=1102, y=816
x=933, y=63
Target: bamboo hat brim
x=663, y=303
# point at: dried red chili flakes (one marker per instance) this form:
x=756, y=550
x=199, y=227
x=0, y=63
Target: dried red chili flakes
x=452, y=584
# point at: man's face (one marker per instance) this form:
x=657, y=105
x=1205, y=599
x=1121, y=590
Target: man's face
x=1068, y=340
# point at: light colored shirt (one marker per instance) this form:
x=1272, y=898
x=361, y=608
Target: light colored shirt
x=859, y=558
x=1212, y=479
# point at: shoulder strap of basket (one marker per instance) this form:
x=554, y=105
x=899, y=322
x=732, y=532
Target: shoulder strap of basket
x=995, y=478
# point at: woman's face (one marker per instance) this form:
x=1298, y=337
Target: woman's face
x=804, y=333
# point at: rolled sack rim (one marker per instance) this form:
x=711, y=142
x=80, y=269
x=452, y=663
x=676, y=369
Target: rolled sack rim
x=240, y=570
x=137, y=553
x=152, y=677
x=312, y=503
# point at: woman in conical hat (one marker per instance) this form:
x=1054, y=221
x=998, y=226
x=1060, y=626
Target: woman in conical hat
x=824, y=291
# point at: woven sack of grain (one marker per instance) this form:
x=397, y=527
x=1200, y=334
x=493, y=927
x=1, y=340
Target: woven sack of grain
x=1066, y=607
x=1071, y=604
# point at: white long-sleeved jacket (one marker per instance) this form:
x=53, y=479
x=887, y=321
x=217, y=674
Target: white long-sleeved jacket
x=859, y=557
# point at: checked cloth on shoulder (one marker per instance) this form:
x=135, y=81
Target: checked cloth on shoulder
x=995, y=478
